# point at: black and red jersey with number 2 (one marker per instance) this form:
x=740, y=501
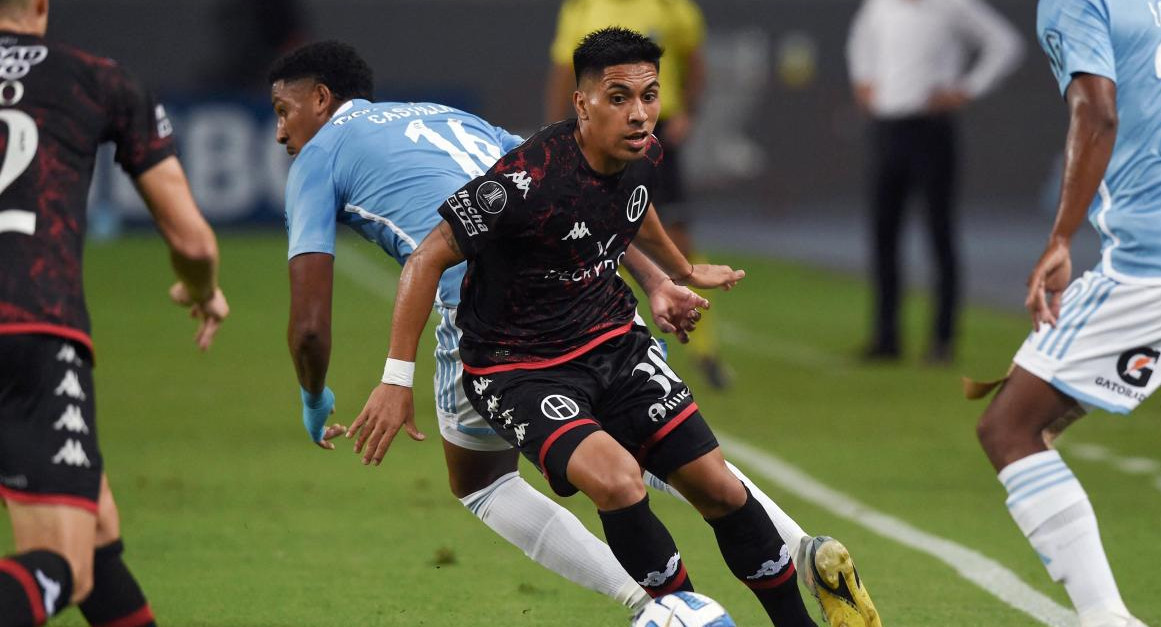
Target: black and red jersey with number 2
x=544, y=234
x=57, y=105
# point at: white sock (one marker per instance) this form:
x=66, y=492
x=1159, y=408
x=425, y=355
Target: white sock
x=553, y=537
x=791, y=533
x=1052, y=509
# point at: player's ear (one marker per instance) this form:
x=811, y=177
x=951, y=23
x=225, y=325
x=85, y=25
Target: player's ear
x=580, y=104
x=323, y=98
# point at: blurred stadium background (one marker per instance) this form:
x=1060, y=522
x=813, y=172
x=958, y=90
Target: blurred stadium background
x=235, y=520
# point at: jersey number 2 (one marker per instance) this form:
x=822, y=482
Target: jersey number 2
x=474, y=154
x=23, y=138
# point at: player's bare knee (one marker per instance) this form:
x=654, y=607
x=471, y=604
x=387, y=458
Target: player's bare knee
x=615, y=489
x=717, y=495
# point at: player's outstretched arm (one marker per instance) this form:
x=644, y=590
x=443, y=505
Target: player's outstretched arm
x=192, y=245
x=391, y=406
x=1092, y=132
x=675, y=309
x=309, y=337
x=654, y=242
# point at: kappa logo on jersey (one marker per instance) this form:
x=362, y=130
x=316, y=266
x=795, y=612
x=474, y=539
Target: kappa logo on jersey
x=164, y=126
x=1136, y=366
x=479, y=385
x=558, y=407
x=17, y=61
x=68, y=354
x=493, y=404
x=72, y=454
x=461, y=204
x=579, y=230
x=655, y=579
x=71, y=420
x=70, y=386
x=491, y=197
x=51, y=589
x=770, y=567
x=638, y=203
x=522, y=181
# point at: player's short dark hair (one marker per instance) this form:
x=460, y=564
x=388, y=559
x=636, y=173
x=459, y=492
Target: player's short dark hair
x=332, y=63
x=613, y=46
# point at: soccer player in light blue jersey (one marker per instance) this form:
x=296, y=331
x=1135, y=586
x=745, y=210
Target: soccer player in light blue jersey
x=383, y=169
x=1095, y=340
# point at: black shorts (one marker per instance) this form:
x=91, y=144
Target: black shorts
x=48, y=428
x=623, y=387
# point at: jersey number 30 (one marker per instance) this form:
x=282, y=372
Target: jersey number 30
x=22, y=142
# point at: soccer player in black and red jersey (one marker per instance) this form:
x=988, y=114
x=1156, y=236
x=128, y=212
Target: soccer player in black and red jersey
x=552, y=355
x=58, y=105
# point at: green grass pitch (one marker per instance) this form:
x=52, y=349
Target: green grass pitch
x=232, y=517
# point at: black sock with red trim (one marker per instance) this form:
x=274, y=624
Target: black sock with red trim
x=33, y=587
x=645, y=549
x=116, y=598
x=758, y=557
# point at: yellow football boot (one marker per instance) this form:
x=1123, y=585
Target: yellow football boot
x=831, y=577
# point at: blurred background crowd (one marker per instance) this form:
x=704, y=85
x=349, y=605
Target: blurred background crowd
x=778, y=159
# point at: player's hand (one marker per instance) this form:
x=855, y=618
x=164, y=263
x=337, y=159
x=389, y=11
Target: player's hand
x=708, y=276
x=315, y=411
x=676, y=309
x=1047, y=283
x=210, y=313
x=389, y=408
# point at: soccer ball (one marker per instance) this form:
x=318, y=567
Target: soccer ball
x=684, y=609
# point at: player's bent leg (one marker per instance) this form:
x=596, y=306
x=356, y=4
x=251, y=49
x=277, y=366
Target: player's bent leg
x=1045, y=499
x=611, y=478
x=116, y=598
x=749, y=542
x=53, y=563
x=488, y=484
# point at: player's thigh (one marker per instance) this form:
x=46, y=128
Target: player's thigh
x=64, y=529
x=108, y=518
x=650, y=410
x=709, y=485
x=469, y=471
x=545, y=414
x=602, y=469
x=1104, y=348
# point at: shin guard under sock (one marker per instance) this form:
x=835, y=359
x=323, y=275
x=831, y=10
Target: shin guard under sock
x=758, y=557
x=33, y=587
x=645, y=549
x=116, y=598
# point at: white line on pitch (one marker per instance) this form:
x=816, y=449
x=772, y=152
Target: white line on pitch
x=373, y=274
x=971, y=565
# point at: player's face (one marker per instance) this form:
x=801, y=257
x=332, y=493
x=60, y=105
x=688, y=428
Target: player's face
x=301, y=107
x=618, y=110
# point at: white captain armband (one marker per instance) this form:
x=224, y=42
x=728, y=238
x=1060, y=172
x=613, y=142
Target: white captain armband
x=399, y=372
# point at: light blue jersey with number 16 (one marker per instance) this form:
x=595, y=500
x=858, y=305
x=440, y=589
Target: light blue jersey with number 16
x=1119, y=40
x=383, y=169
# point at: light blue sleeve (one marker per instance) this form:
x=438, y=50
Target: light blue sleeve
x=1076, y=36
x=312, y=204
x=508, y=141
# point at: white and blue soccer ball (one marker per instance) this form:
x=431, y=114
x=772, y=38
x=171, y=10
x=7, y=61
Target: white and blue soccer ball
x=684, y=609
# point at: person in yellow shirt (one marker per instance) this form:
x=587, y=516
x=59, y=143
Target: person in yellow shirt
x=679, y=28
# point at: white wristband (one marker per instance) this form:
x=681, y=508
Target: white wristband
x=399, y=372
